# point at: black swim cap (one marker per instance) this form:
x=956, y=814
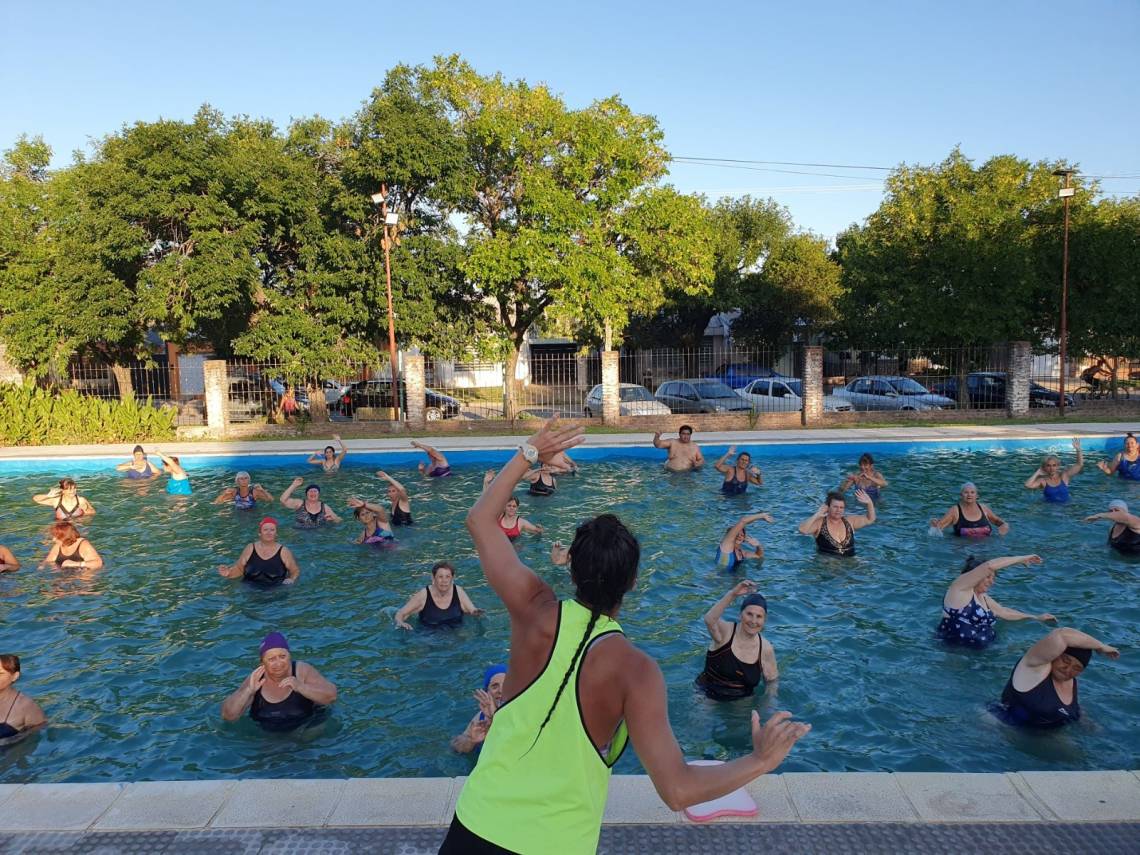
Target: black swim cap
x=1081, y=654
x=754, y=600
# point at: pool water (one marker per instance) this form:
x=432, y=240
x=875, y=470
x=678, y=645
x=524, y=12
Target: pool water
x=131, y=663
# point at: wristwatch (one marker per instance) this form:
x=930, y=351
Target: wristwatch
x=529, y=452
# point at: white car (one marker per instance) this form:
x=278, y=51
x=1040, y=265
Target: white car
x=633, y=400
x=784, y=395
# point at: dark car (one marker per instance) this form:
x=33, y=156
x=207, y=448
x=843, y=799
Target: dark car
x=987, y=391
x=700, y=395
x=737, y=375
x=378, y=394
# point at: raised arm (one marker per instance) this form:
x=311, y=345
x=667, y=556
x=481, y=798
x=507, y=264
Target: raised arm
x=811, y=525
x=401, y=489
x=721, y=465
x=290, y=503
x=1054, y=644
x=517, y=586
x=1076, y=468
x=721, y=630
x=728, y=542
x=341, y=454
x=868, y=515
x=965, y=583
x=1123, y=517
x=235, y=705
x=260, y=493
x=1108, y=468
x=1035, y=481
x=658, y=442
x=49, y=498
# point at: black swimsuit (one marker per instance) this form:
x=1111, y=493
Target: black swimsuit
x=828, y=545
x=400, y=516
x=1128, y=541
x=433, y=615
x=307, y=519
x=60, y=557
x=725, y=677
x=542, y=487
x=62, y=514
x=980, y=527
x=6, y=730
x=285, y=714
x=1040, y=706
x=265, y=571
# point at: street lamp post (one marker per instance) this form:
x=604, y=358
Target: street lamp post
x=389, y=218
x=1065, y=193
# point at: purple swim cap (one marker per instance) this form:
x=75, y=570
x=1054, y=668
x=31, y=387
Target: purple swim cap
x=273, y=640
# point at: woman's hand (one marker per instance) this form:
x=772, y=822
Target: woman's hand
x=290, y=683
x=1032, y=559
x=554, y=438
x=1045, y=618
x=862, y=497
x=297, y=482
x=559, y=554
x=1076, y=444
x=486, y=703
x=256, y=679
x=772, y=742
x=743, y=588
x=766, y=517
x=403, y=624
x=1109, y=651
x=354, y=502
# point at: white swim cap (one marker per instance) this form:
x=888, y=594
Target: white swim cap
x=1118, y=505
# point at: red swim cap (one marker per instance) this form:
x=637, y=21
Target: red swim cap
x=267, y=520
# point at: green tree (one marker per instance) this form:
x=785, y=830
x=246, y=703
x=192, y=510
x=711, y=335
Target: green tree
x=1104, y=277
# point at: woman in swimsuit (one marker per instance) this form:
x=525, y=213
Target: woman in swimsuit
x=442, y=603
x=437, y=465
x=1127, y=463
x=561, y=464
x=138, y=468
x=310, y=511
x=401, y=511
x=66, y=501
x=1124, y=536
x=1053, y=480
x=731, y=551
x=329, y=460
x=489, y=698
x=738, y=658
x=265, y=562
x=9, y=563
x=541, y=480
x=834, y=533
x=868, y=478
x=970, y=518
x=242, y=494
x=68, y=549
x=738, y=476
x=1042, y=690
x=512, y=524
x=969, y=612
x=281, y=694
x=377, y=529
x=21, y=714
x=179, y=483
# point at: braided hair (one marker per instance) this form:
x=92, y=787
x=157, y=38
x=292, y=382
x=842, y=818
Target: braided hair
x=603, y=565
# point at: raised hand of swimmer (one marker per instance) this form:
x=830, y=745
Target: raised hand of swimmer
x=297, y=482
x=1109, y=651
x=772, y=742
x=554, y=438
x=1033, y=559
x=747, y=586
x=486, y=703
x=862, y=497
x=478, y=731
x=354, y=502
x=767, y=517
x=1076, y=444
x=289, y=682
x=257, y=678
x=559, y=554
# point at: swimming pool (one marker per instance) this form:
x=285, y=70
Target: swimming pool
x=132, y=663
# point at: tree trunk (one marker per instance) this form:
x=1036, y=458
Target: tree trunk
x=510, y=385
x=122, y=375
x=318, y=409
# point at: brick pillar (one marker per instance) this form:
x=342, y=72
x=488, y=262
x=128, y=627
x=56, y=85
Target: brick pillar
x=414, y=380
x=217, y=395
x=611, y=407
x=813, y=386
x=1017, y=386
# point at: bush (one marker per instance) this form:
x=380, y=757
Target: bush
x=30, y=415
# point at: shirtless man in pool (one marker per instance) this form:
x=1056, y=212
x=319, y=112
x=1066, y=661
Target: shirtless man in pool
x=684, y=454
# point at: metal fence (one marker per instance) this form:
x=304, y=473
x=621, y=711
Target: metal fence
x=1100, y=382
x=159, y=380
x=548, y=381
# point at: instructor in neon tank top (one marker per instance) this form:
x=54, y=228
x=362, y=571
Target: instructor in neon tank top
x=575, y=689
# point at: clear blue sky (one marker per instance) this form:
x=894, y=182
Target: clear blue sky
x=824, y=82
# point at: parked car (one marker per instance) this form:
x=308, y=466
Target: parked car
x=737, y=375
x=891, y=392
x=633, y=400
x=778, y=395
x=988, y=390
x=378, y=394
x=700, y=395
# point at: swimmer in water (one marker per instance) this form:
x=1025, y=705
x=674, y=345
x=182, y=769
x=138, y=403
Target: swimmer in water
x=265, y=562
x=310, y=512
x=738, y=658
x=1042, y=690
x=66, y=501
x=1124, y=536
x=1126, y=464
x=281, y=693
x=740, y=474
x=401, y=511
x=9, y=563
x=179, y=483
x=512, y=524
x=1054, y=480
x=561, y=464
x=489, y=699
x=437, y=465
x=442, y=603
x=22, y=715
x=329, y=459
x=970, y=518
x=70, y=550
x=138, y=468
x=834, y=532
x=731, y=550
x=377, y=529
x=969, y=613
x=684, y=454
x=243, y=495
x=868, y=479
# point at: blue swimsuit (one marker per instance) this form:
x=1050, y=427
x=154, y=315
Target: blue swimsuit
x=179, y=487
x=1127, y=469
x=1060, y=493
x=244, y=503
x=970, y=626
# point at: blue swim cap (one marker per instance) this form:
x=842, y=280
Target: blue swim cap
x=754, y=600
x=490, y=674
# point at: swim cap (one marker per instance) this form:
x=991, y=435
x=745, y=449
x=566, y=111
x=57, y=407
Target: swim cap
x=967, y=484
x=490, y=673
x=972, y=562
x=241, y=474
x=266, y=520
x=1118, y=505
x=273, y=641
x=754, y=600
x=1081, y=654
x=313, y=487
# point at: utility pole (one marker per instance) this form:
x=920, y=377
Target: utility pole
x=1065, y=193
x=389, y=219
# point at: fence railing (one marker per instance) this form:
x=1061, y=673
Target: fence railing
x=164, y=384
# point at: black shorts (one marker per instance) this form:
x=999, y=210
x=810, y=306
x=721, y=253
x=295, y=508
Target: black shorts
x=461, y=841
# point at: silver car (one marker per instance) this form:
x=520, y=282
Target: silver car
x=891, y=392
x=785, y=395
x=633, y=400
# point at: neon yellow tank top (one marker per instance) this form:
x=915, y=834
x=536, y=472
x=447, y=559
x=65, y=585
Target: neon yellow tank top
x=545, y=796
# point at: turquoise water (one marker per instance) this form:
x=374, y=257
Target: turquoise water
x=131, y=663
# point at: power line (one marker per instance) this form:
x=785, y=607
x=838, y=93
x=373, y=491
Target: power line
x=783, y=163
x=690, y=162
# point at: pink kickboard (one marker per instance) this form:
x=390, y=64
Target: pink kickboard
x=736, y=803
